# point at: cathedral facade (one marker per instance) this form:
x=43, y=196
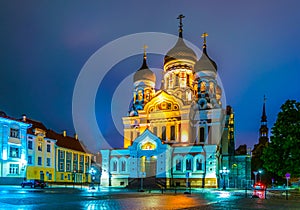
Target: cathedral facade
x=178, y=135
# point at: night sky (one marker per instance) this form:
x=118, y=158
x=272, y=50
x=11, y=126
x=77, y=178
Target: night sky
x=44, y=46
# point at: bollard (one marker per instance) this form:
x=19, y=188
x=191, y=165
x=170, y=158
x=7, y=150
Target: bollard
x=246, y=192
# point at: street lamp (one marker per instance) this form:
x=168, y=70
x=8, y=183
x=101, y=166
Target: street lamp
x=255, y=176
x=224, y=172
x=260, y=172
x=93, y=172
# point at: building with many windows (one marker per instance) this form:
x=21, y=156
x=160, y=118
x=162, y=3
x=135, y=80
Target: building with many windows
x=29, y=150
x=179, y=134
x=40, y=152
x=72, y=162
x=13, y=149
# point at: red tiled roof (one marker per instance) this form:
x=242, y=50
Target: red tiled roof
x=34, y=124
x=65, y=141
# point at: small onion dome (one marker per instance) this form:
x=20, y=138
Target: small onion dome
x=144, y=73
x=205, y=62
x=180, y=52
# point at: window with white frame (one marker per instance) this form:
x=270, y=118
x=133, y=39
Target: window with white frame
x=29, y=159
x=114, y=164
x=123, y=165
x=14, y=132
x=178, y=163
x=14, y=152
x=39, y=161
x=14, y=168
x=199, y=164
x=188, y=164
x=48, y=161
x=29, y=144
x=40, y=146
x=48, y=148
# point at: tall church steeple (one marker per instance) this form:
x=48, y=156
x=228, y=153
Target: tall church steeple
x=263, y=131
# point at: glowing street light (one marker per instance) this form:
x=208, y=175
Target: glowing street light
x=255, y=175
x=260, y=172
x=93, y=172
x=224, y=172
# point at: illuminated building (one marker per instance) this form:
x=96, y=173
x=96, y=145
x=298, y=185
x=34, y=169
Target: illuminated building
x=40, y=152
x=54, y=157
x=13, y=151
x=176, y=135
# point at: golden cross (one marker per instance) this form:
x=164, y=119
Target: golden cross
x=145, y=47
x=204, y=35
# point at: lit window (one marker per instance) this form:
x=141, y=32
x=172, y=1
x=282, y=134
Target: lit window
x=40, y=146
x=14, y=152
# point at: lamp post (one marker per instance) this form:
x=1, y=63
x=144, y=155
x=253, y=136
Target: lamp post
x=224, y=172
x=255, y=176
x=260, y=172
x=92, y=172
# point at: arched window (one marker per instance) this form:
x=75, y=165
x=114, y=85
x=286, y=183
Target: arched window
x=199, y=162
x=177, y=163
x=172, y=130
x=163, y=133
x=188, y=163
x=201, y=134
x=123, y=165
x=114, y=164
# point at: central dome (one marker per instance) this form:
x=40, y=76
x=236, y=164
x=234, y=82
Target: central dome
x=180, y=52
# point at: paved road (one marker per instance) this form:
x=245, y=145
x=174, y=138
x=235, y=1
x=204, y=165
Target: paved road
x=69, y=198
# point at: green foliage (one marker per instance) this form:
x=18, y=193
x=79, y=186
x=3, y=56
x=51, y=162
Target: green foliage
x=282, y=154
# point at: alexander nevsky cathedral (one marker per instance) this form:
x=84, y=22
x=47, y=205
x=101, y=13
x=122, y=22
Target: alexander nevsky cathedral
x=180, y=134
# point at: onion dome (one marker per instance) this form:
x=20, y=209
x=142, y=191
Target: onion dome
x=144, y=73
x=180, y=51
x=205, y=63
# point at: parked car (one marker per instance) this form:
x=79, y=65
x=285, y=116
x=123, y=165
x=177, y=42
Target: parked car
x=259, y=186
x=33, y=183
